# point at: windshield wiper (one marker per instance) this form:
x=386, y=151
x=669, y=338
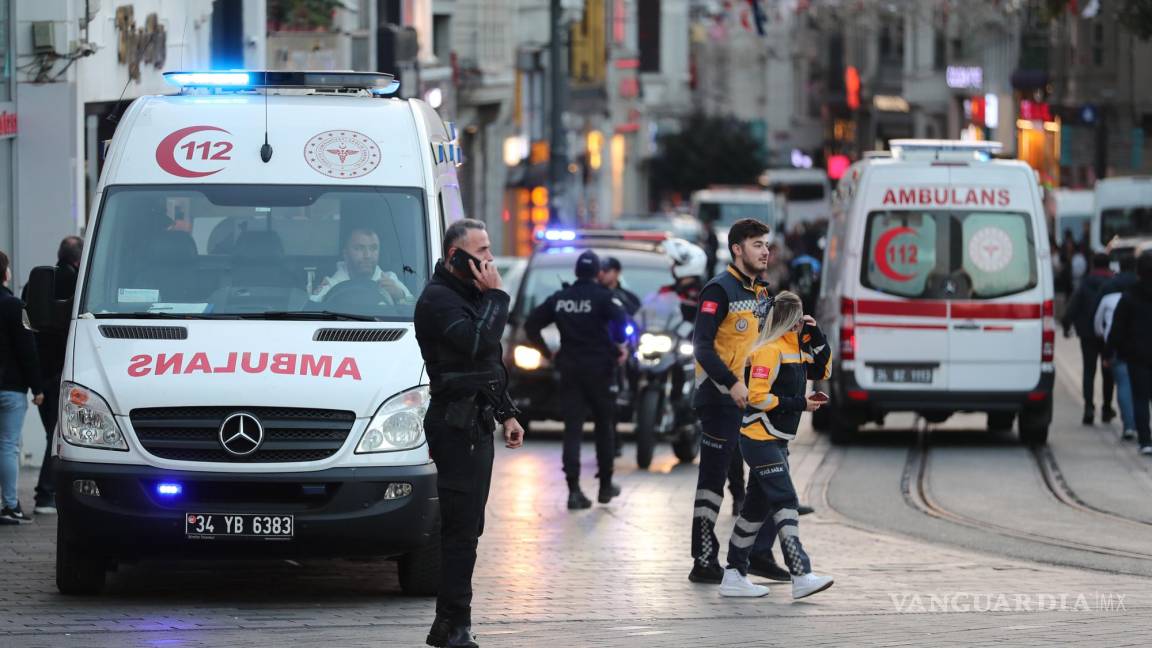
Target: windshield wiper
x=310, y=315
x=167, y=316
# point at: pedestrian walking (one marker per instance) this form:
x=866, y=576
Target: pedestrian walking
x=591, y=328
x=51, y=344
x=727, y=323
x=790, y=350
x=1110, y=296
x=1129, y=336
x=1080, y=314
x=459, y=320
x=19, y=373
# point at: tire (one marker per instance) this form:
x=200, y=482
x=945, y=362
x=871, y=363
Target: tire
x=1033, y=435
x=844, y=427
x=647, y=414
x=1001, y=420
x=78, y=573
x=420, y=569
x=686, y=447
x=1034, y=424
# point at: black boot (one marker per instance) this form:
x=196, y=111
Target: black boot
x=608, y=490
x=1089, y=414
x=576, y=498
x=764, y=566
x=438, y=634
x=461, y=637
x=1107, y=414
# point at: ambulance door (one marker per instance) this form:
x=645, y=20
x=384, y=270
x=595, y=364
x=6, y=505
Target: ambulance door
x=998, y=302
x=901, y=326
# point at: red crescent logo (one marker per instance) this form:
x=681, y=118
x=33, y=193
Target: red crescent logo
x=880, y=254
x=166, y=152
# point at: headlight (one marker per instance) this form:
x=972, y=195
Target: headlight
x=398, y=424
x=686, y=349
x=651, y=343
x=86, y=420
x=527, y=358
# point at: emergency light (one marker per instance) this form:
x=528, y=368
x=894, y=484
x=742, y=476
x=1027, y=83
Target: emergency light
x=377, y=83
x=169, y=489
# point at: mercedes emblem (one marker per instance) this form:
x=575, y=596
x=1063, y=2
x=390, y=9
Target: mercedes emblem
x=241, y=434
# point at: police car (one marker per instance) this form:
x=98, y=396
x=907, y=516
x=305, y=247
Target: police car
x=242, y=377
x=937, y=290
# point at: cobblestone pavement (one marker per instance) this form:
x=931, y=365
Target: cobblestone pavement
x=611, y=576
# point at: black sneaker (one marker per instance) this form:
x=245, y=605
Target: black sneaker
x=15, y=514
x=607, y=492
x=711, y=575
x=46, y=506
x=1089, y=414
x=577, y=500
x=765, y=566
x=1107, y=415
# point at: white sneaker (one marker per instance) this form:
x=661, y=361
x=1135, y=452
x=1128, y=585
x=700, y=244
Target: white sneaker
x=809, y=584
x=1146, y=450
x=736, y=584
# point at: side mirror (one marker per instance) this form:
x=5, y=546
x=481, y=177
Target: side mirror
x=45, y=312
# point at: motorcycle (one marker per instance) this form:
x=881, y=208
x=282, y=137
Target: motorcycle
x=666, y=382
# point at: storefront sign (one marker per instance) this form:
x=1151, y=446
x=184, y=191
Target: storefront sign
x=1035, y=111
x=964, y=77
x=8, y=125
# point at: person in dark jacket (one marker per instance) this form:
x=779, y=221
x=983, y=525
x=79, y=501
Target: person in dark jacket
x=609, y=277
x=459, y=320
x=19, y=373
x=1131, y=337
x=1080, y=314
x=1105, y=309
x=591, y=334
x=51, y=344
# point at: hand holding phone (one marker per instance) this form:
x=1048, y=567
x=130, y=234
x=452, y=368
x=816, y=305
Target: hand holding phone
x=483, y=273
x=819, y=396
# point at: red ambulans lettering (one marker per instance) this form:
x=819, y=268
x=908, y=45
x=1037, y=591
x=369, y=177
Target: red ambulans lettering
x=286, y=364
x=947, y=196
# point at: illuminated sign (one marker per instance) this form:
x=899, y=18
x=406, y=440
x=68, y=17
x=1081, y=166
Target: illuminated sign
x=964, y=77
x=890, y=103
x=1035, y=110
x=8, y=124
x=852, y=87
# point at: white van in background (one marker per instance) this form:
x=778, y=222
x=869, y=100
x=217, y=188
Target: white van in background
x=806, y=193
x=1122, y=208
x=242, y=376
x=937, y=290
x=1074, y=209
x=723, y=206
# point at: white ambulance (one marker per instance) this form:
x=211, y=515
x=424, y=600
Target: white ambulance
x=242, y=376
x=937, y=290
x=1122, y=209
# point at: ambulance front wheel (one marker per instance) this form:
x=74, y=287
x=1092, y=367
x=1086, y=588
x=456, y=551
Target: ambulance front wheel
x=78, y=572
x=420, y=569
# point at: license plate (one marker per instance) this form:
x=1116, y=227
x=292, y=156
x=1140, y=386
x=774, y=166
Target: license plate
x=917, y=375
x=252, y=526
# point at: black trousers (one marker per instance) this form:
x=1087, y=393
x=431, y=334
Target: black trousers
x=584, y=389
x=464, y=476
x=773, y=496
x=1141, y=375
x=1091, y=351
x=49, y=413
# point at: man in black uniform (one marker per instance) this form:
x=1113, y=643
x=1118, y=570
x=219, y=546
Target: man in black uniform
x=627, y=375
x=459, y=320
x=591, y=331
x=609, y=277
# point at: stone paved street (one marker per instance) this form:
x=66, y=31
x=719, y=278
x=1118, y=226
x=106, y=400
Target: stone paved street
x=616, y=575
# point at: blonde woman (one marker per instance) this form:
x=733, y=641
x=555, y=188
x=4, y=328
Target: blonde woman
x=790, y=350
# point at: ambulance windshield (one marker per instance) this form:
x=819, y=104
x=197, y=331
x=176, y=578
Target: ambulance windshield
x=1125, y=222
x=949, y=254
x=258, y=251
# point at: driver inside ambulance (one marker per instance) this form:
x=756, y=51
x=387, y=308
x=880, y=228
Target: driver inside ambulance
x=361, y=259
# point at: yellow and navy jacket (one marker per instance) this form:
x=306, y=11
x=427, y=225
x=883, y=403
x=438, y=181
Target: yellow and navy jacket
x=727, y=323
x=778, y=377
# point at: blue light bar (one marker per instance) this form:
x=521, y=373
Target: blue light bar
x=209, y=79
x=169, y=489
x=556, y=235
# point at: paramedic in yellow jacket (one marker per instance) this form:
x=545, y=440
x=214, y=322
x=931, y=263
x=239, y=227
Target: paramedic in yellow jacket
x=790, y=350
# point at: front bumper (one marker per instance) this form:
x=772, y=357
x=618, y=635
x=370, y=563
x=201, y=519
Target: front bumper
x=339, y=512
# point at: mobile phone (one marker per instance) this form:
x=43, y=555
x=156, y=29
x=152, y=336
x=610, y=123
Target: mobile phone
x=460, y=260
x=819, y=397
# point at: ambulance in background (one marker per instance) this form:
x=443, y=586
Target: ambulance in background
x=1122, y=209
x=806, y=193
x=242, y=376
x=1074, y=208
x=723, y=206
x=938, y=290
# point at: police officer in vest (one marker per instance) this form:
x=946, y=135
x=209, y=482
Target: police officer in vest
x=591, y=333
x=732, y=307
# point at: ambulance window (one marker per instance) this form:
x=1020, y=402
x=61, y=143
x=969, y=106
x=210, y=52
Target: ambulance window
x=1125, y=222
x=949, y=255
x=453, y=203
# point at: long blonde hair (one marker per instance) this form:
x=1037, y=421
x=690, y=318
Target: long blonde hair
x=787, y=310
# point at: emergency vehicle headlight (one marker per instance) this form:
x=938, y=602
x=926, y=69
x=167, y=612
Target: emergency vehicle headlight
x=527, y=358
x=86, y=420
x=398, y=424
x=653, y=343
